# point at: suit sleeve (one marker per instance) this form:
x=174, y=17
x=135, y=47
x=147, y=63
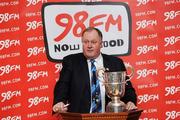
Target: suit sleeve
x=62, y=86
x=130, y=94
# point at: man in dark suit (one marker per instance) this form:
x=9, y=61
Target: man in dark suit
x=72, y=92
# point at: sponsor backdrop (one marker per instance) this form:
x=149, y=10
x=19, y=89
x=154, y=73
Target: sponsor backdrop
x=144, y=33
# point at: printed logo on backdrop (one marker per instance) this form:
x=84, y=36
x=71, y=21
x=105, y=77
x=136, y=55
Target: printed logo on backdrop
x=63, y=24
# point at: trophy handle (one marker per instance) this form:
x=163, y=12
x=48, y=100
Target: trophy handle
x=128, y=66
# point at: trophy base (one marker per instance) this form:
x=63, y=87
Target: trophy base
x=115, y=107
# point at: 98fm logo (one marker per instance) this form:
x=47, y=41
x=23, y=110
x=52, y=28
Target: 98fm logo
x=36, y=74
x=9, y=95
x=145, y=23
x=145, y=72
x=8, y=43
x=58, y=67
x=33, y=25
x=35, y=51
x=146, y=98
x=114, y=20
x=12, y=118
x=171, y=65
x=7, y=17
x=80, y=19
x=171, y=40
x=171, y=90
x=37, y=100
x=172, y=115
x=146, y=49
x=143, y=2
x=171, y=15
x=34, y=2
x=9, y=68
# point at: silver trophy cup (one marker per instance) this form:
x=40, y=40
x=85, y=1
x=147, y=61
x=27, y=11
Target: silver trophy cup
x=115, y=83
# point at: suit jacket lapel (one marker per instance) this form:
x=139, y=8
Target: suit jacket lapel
x=106, y=62
x=85, y=73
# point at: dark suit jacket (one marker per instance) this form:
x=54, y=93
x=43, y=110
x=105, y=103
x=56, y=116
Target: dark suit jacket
x=74, y=83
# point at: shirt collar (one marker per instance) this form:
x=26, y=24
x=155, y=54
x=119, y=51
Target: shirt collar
x=97, y=59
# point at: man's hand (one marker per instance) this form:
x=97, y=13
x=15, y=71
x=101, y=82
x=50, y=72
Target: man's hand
x=60, y=107
x=130, y=106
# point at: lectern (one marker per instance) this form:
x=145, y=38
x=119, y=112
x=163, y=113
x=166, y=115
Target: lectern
x=129, y=115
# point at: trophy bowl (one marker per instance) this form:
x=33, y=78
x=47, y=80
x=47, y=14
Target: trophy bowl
x=115, y=83
x=115, y=88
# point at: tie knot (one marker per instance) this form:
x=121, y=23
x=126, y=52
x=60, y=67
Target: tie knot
x=92, y=61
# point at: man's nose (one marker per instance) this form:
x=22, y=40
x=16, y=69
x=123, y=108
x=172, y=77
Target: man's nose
x=89, y=44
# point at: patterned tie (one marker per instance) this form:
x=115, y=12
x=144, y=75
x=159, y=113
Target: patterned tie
x=95, y=90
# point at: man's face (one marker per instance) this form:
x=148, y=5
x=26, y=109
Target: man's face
x=92, y=44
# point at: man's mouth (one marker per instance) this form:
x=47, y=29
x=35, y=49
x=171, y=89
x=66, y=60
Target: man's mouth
x=90, y=50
